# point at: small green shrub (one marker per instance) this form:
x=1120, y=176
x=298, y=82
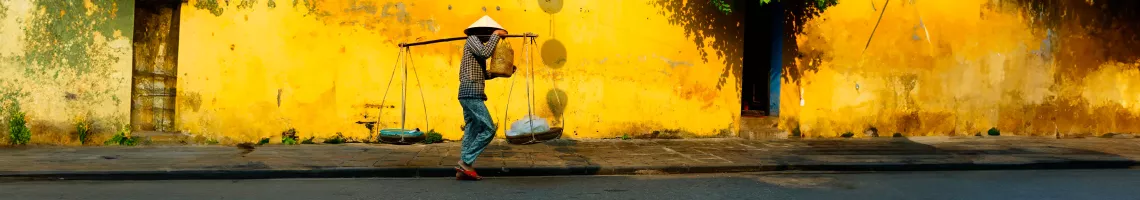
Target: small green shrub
x=212, y=141
x=18, y=132
x=263, y=141
x=626, y=137
x=122, y=138
x=82, y=130
x=433, y=137
x=289, y=137
x=288, y=141
x=994, y=132
x=336, y=139
x=309, y=140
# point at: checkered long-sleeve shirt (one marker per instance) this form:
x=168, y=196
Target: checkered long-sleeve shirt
x=473, y=68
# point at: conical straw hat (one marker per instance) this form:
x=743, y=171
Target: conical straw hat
x=485, y=22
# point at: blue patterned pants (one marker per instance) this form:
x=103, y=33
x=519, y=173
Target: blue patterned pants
x=478, y=132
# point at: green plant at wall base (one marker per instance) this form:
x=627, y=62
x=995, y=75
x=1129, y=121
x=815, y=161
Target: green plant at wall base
x=212, y=141
x=308, y=140
x=122, y=138
x=433, y=137
x=289, y=137
x=626, y=137
x=263, y=141
x=288, y=141
x=18, y=132
x=796, y=132
x=82, y=130
x=847, y=134
x=336, y=139
x=994, y=132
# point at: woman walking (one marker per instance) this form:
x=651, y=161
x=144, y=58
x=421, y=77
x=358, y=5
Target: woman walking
x=479, y=130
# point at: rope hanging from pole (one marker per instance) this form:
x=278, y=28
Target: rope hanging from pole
x=423, y=100
x=527, y=48
x=405, y=55
x=384, y=99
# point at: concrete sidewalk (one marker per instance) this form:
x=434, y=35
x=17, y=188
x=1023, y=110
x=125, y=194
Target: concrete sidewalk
x=565, y=157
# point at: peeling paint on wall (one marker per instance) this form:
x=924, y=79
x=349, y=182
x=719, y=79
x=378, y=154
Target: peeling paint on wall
x=397, y=10
x=54, y=43
x=429, y=25
x=1045, y=68
x=3, y=10
x=246, y=4
x=310, y=6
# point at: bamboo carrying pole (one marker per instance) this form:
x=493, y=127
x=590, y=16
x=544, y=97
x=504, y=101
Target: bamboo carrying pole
x=526, y=35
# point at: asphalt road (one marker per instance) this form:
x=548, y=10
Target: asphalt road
x=1068, y=184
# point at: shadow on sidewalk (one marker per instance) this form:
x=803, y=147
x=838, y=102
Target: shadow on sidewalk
x=907, y=154
x=551, y=158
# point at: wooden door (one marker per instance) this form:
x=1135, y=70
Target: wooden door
x=155, y=76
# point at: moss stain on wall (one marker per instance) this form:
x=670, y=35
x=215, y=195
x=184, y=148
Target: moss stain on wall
x=72, y=59
x=210, y=5
x=64, y=39
x=246, y=4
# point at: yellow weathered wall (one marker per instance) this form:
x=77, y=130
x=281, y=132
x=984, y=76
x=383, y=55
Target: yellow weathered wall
x=253, y=68
x=959, y=68
x=64, y=61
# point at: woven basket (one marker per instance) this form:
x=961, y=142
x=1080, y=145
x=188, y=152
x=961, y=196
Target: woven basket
x=502, y=63
x=534, y=138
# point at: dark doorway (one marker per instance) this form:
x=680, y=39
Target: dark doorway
x=155, y=65
x=760, y=76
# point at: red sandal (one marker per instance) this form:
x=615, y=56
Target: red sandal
x=459, y=175
x=467, y=175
